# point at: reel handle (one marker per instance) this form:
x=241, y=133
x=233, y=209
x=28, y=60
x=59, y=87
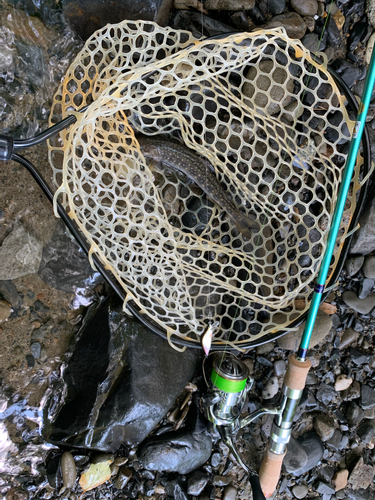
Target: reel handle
x=256, y=488
x=269, y=472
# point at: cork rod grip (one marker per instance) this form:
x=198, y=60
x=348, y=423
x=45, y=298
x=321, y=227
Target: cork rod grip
x=296, y=374
x=269, y=473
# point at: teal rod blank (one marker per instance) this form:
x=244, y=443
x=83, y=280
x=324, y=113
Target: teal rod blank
x=339, y=209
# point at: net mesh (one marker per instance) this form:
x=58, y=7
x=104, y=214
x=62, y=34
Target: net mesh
x=273, y=126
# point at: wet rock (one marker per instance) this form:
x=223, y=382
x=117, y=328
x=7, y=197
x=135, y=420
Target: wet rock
x=324, y=426
x=9, y=293
x=64, y=265
x=53, y=471
x=361, y=476
x=276, y=7
x=234, y=5
x=366, y=288
x=367, y=397
x=36, y=349
x=197, y=482
x=181, y=451
x=98, y=458
x=343, y=382
x=5, y=310
x=123, y=478
x=354, y=264
x=120, y=395
x=369, y=267
x=340, y=479
x=363, y=241
x=68, y=469
x=311, y=42
x=325, y=394
x=20, y=254
x=291, y=21
x=300, y=490
x=86, y=17
x=349, y=73
x=279, y=367
x=305, y=7
x=363, y=306
x=323, y=325
x=366, y=431
x=229, y=493
x=198, y=23
x=215, y=459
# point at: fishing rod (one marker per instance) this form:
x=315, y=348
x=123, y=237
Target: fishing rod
x=298, y=363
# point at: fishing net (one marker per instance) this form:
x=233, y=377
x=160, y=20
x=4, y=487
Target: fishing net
x=273, y=125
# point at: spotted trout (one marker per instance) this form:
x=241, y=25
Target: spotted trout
x=181, y=158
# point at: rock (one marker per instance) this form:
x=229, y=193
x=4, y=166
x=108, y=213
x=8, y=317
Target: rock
x=348, y=337
x=335, y=441
x=180, y=451
x=296, y=457
x=325, y=394
x=5, y=310
x=300, y=490
x=120, y=395
x=271, y=388
x=361, y=476
x=348, y=71
x=367, y=397
x=340, y=479
x=276, y=7
x=229, y=493
x=354, y=264
x=353, y=413
x=20, y=254
x=369, y=267
x=215, y=459
x=292, y=22
x=342, y=382
x=36, y=349
x=220, y=480
x=366, y=288
x=123, y=478
x=363, y=306
x=279, y=367
x=68, y=469
x=265, y=348
x=359, y=357
x=231, y=5
x=311, y=42
x=323, y=325
x=86, y=17
x=314, y=449
x=64, y=265
x=324, y=426
x=305, y=7
x=366, y=431
x=323, y=488
x=363, y=241
x=197, y=482
x=17, y=494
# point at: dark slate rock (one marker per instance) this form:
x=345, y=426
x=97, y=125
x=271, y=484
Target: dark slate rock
x=181, y=451
x=119, y=382
x=65, y=266
x=312, y=43
x=335, y=440
x=276, y=7
x=197, y=482
x=348, y=72
x=366, y=287
x=325, y=394
x=364, y=239
x=296, y=457
x=353, y=413
x=314, y=449
x=359, y=357
x=323, y=488
x=366, y=430
x=367, y=397
x=9, y=292
x=367, y=494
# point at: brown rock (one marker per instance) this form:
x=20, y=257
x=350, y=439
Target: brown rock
x=293, y=23
x=305, y=7
x=362, y=475
x=340, y=479
x=343, y=382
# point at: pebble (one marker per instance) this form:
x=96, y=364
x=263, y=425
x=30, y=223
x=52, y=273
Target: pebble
x=314, y=449
x=265, y=348
x=323, y=488
x=361, y=476
x=119, y=461
x=359, y=358
x=369, y=267
x=325, y=394
x=220, y=480
x=353, y=413
x=36, y=349
x=197, y=482
x=229, y=493
x=335, y=441
x=295, y=458
x=366, y=431
x=366, y=287
x=354, y=264
x=367, y=397
x=98, y=458
x=5, y=310
x=342, y=382
x=363, y=306
x=68, y=469
x=215, y=459
x=364, y=239
x=276, y=7
x=311, y=42
x=348, y=337
x=340, y=479
x=271, y=388
x=322, y=327
x=279, y=367
x=292, y=22
x=123, y=478
x=324, y=426
x=16, y=494
x=300, y=490
x=305, y=7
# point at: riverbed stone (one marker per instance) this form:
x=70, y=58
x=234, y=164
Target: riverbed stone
x=363, y=306
x=354, y=264
x=363, y=241
x=300, y=490
x=291, y=21
x=324, y=426
x=369, y=267
x=361, y=476
x=343, y=382
x=119, y=382
x=197, y=482
x=322, y=327
x=340, y=479
x=305, y=7
x=367, y=397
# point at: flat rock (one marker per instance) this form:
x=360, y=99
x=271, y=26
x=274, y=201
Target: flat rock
x=314, y=449
x=366, y=431
x=180, y=451
x=305, y=7
x=291, y=21
x=369, y=267
x=300, y=490
x=20, y=254
x=197, y=482
x=340, y=479
x=366, y=288
x=296, y=457
x=325, y=394
x=354, y=264
x=322, y=327
x=363, y=306
x=354, y=413
x=361, y=476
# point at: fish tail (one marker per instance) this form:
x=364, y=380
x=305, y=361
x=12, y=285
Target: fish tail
x=244, y=224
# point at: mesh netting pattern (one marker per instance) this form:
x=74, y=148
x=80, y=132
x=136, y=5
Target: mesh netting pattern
x=273, y=126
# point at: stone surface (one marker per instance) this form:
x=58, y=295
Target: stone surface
x=311, y=42
x=303, y=454
x=128, y=389
x=292, y=22
x=361, y=476
x=353, y=413
x=363, y=241
x=229, y=493
x=323, y=488
x=197, y=482
x=296, y=457
x=323, y=325
x=325, y=393
x=5, y=310
x=279, y=367
x=367, y=397
x=20, y=254
x=276, y=7
x=300, y=490
x=180, y=451
x=305, y=7
x=342, y=382
x=271, y=388
x=363, y=306
x=366, y=288
x=366, y=431
x=340, y=479
x=354, y=264
x=348, y=337
x=369, y=267
x=324, y=426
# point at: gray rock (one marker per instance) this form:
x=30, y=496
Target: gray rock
x=20, y=254
x=369, y=267
x=296, y=457
x=35, y=349
x=123, y=478
x=120, y=395
x=323, y=488
x=314, y=449
x=358, y=357
x=367, y=494
x=276, y=7
x=197, y=482
x=335, y=441
x=367, y=397
x=305, y=7
x=353, y=413
x=215, y=459
x=366, y=287
x=271, y=388
x=292, y=22
x=220, y=481
x=361, y=476
x=325, y=394
x=348, y=337
x=180, y=451
x=322, y=327
x=324, y=426
x=279, y=367
x=300, y=490
x=366, y=431
x=229, y=493
x=311, y=42
x=363, y=306
x=354, y=264
x=363, y=241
